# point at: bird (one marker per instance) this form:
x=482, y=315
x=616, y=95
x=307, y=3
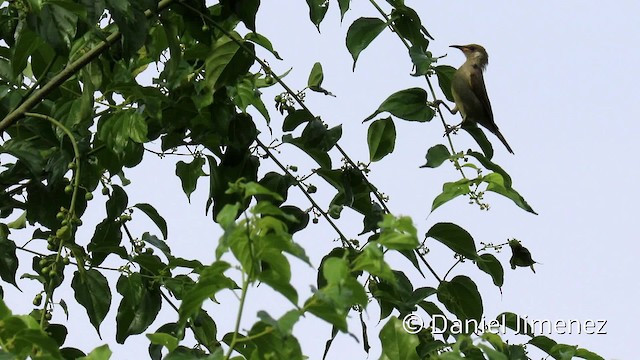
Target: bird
x=469, y=92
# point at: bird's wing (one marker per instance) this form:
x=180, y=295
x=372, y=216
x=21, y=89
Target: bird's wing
x=479, y=89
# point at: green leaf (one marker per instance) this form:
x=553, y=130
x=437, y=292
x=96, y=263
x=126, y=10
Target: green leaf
x=117, y=203
x=118, y=129
x=227, y=61
x=26, y=44
x=212, y=280
x=106, y=240
x=397, y=343
x=316, y=140
x=93, y=293
x=315, y=77
x=409, y=104
x=361, y=33
x=478, y=135
x=422, y=60
x=245, y=10
x=132, y=23
x=100, y=353
x=56, y=25
x=497, y=185
x=398, y=233
x=381, y=138
x=295, y=118
x=317, y=11
x=139, y=307
x=205, y=330
x=262, y=41
x=445, y=75
x=455, y=238
x=489, y=264
x=8, y=257
x=153, y=240
x=152, y=213
x=344, y=6
x=519, y=325
x=189, y=174
x=450, y=191
x=461, y=297
x=371, y=260
x=166, y=340
x=436, y=155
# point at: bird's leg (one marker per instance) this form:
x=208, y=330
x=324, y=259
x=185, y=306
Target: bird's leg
x=437, y=103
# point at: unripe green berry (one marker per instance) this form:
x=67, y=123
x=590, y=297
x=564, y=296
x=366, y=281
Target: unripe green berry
x=68, y=189
x=105, y=191
x=88, y=196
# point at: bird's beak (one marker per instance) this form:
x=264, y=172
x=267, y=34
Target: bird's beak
x=460, y=47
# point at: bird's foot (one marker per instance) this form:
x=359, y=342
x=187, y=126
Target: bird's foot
x=451, y=129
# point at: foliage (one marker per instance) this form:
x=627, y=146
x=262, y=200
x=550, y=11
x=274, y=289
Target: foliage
x=75, y=119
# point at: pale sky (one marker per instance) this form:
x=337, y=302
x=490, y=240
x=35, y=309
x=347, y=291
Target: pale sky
x=560, y=80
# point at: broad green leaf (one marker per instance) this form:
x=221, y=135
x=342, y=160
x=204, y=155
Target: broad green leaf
x=106, y=240
x=518, y=324
x=409, y=104
x=118, y=129
x=26, y=43
x=205, y=330
x=408, y=25
x=262, y=41
x=57, y=26
x=166, y=340
x=93, y=293
x=489, y=165
x=100, y=353
x=361, y=33
x=461, y=297
x=227, y=61
x=152, y=213
x=132, y=23
x=381, y=138
x=317, y=11
x=588, y=355
x=422, y=60
x=455, y=238
x=398, y=233
x=397, y=343
x=445, y=75
x=436, y=155
x=211, y=280
x=315, y=77
x=153, y=240
x=8, y=258
x=245, y=10
x=497, y=185
x=478, y=135
x=139, y=306
x=492, y=266
x=189, y=173
x=117, y=203
x=450, y=191
x=371, y=260
x=295, y=118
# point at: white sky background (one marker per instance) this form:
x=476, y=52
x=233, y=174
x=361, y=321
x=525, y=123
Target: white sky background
x=559, y=78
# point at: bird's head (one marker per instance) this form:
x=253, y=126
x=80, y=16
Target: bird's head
x=475, y=53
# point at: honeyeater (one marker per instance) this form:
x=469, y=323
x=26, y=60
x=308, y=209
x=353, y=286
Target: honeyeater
x=470, y=93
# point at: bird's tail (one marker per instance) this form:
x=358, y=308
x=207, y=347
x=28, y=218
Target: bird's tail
x=504, y=141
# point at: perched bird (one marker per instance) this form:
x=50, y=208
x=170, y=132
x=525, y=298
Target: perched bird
x=469, y=92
